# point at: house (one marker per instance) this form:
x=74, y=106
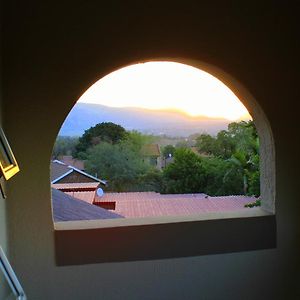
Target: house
x=151, y=154
x=62, y=173
x=51, y=52
x=68, y=208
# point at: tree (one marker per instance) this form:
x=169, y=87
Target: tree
x=225, y=145
x=205, y=143
x=182, y=144
x=185, y=175
x=64, y=145
x=222, y=178
x=103, y=132
x=237, y=149
x=116, y=163
x=136, y=140
x=168, y=151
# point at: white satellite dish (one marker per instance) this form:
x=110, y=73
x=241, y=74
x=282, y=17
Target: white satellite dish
x=100, y=192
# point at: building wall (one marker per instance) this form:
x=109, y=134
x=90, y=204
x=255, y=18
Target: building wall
x=52, y=52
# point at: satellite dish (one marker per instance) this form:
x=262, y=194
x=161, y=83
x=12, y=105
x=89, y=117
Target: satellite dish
x=100, y=192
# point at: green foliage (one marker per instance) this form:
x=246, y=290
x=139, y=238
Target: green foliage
x=168, y=150
x=150, y=181
x=135, y=140
x=231, y=169
x=241, y=136
x=103, y=132
x=64, y=145
x=254, y=184
x=182, y=144
x=118, y=163
x=239, y=146
x=253, y=204
x=225, y=144
x=185, y=175
x=222, y=178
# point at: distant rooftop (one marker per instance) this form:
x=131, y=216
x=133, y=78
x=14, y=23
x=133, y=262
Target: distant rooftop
x=59, y=170
x=76, y=186
x=151, y=150
x=74, y=162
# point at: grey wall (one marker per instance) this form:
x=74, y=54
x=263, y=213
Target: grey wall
x=52, y=52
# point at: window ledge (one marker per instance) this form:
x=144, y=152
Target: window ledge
x=109, y=223
x=97, y=241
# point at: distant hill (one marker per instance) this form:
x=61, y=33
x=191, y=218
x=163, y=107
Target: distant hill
x=158, y=122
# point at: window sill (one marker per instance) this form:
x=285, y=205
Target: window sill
x=97, y=241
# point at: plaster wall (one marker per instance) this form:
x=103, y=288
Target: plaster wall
x=53, y=52
x=4, y=289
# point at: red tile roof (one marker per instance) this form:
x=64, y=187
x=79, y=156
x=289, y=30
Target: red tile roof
x=82, y=191
x=151, y=204
x=84, y=196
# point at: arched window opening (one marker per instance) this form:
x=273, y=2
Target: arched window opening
x=162, y=139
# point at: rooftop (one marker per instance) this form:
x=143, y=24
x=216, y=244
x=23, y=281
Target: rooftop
x=70, y=161
x=66, y=208
x=59, y=170
x=151, y=150
x=76, y=186
x=151, y=204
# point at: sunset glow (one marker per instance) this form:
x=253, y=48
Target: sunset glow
x=167, y=85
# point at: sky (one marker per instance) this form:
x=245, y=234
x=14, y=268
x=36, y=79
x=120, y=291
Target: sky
x=167, y=85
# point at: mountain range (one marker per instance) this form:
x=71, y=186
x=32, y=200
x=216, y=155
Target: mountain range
x=157, y=122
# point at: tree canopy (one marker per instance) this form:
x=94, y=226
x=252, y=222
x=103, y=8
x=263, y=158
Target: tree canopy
x=107, y=132
x=114, y=154
x=186, y=174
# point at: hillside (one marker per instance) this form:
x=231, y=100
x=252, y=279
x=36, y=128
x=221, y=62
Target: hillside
x=158, y=122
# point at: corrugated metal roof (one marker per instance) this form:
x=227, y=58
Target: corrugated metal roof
x=150, y=204
x=66, y=208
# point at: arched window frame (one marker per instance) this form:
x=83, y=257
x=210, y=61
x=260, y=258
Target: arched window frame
x=165, y=237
